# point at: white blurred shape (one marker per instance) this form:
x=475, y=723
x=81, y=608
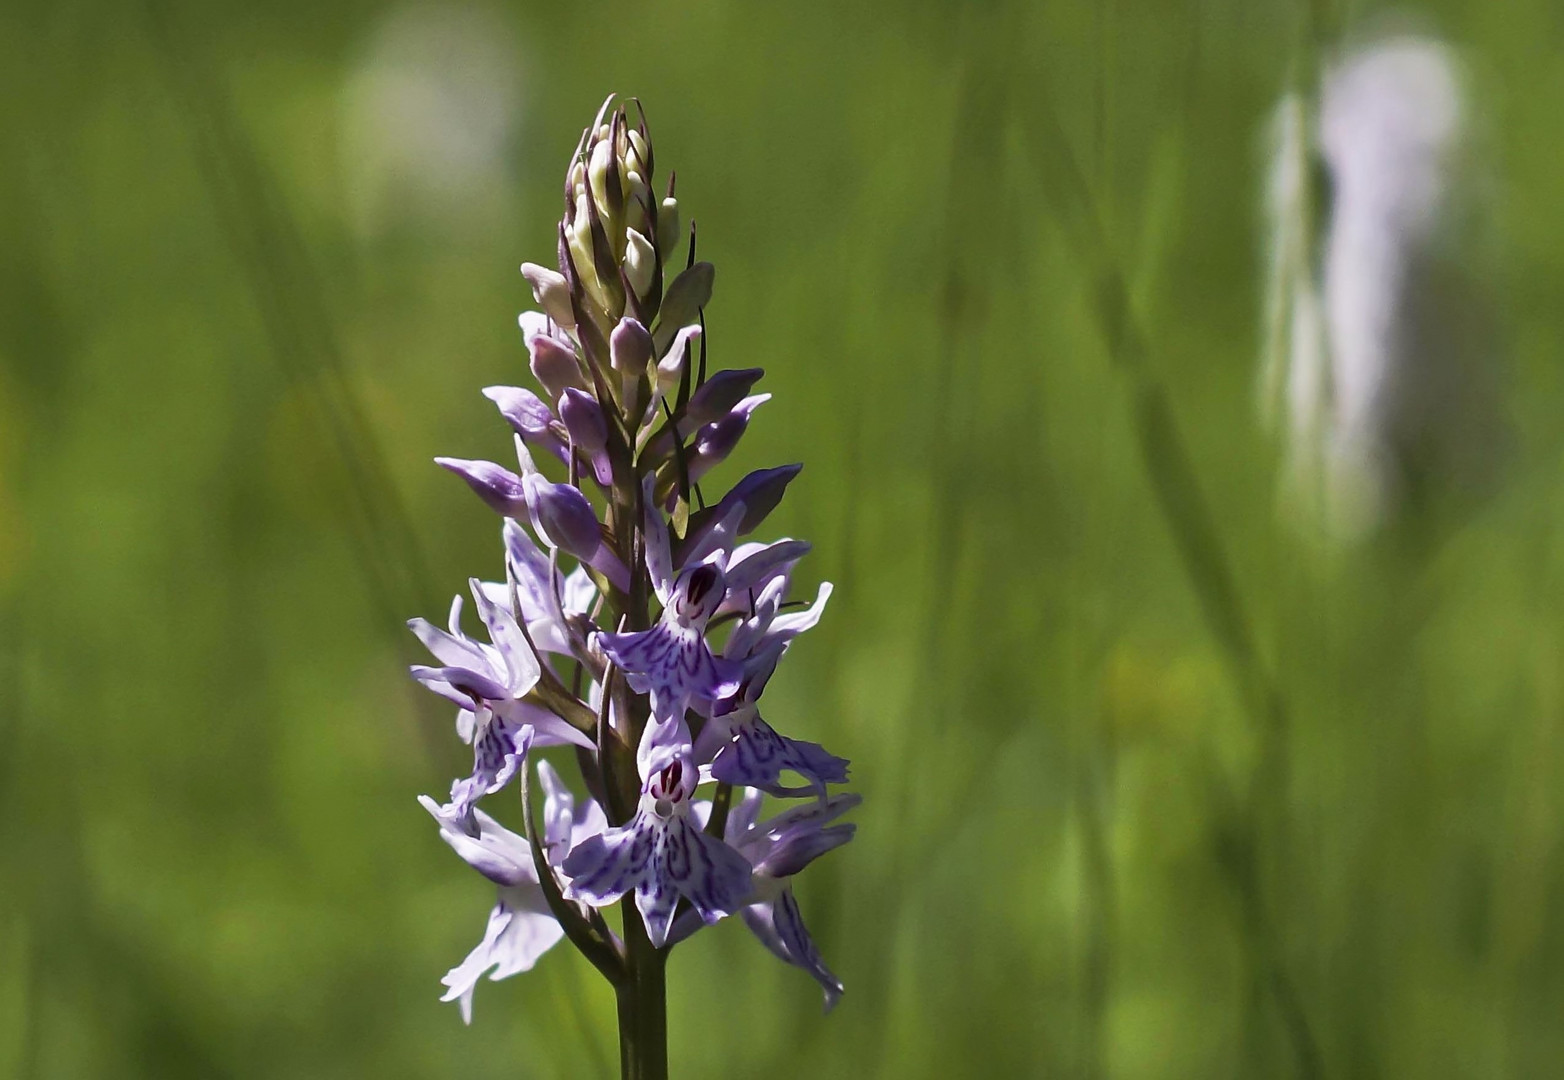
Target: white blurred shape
x=1373, y=314
x=430, y=115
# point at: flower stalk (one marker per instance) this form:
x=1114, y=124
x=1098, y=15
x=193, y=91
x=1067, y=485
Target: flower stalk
x=617, y=569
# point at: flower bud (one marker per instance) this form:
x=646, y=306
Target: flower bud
x=584, y=420
x=588, y=429
x=612, y=219
x=671, y=366
x=760, y=492
x=502, y=490
x=715, y=441
x=640, y=262
x=599, y=167
x=720, y=393
x=529, y=416
x=563, y=515
x=554, y=364
x=668, y=226
x=630, y=347
x=551, y=292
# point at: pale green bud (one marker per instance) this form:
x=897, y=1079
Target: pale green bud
x=597, y=170
x=668, y=226
x=551, y=292
x=640, y=262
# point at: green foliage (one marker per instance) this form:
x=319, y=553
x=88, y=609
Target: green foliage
x=1085, y=849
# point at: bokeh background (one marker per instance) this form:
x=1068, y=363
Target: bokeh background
x=1156, y=784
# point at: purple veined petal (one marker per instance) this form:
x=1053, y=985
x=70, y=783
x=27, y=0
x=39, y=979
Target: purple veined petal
x=657, y=899
x=659, y=561
x=522, y=665
x=605, y=867
x=685, y=924
x=533, y=571
x=788, y=830
x=756, y=756
x=673, y=664
x=740, y=603
x=517, y=935
x=710, y=874
x=496, y=852
x=759, y=919
x=547, y=630
x=529, y=568
x=758, y=667
x=765, y=563
x=499, y=488
x=749, y=635
x=590, y=821
x=744, y=813
x=499, y=750
x=800, y=947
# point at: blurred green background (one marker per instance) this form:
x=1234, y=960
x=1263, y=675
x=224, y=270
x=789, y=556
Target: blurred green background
x=256, y=262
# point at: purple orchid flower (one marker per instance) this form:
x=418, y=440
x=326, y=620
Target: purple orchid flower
x=672, y=661
x=743, y=750
x=777, y=849
x=552, y=605
x=520, y=927
x=662, y=854
x=488, y=682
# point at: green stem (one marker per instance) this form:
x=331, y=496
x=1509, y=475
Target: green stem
x=643, y=1003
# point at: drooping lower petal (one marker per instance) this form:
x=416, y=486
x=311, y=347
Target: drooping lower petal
x=520, y=930
x=780, y=927
x=701, y=868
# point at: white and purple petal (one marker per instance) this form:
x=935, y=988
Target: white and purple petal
x=780, y=927
x=520, y=930
x=754, y=755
